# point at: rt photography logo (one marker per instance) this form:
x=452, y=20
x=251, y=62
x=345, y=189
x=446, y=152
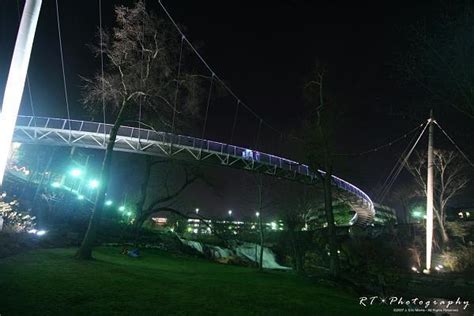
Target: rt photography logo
x=416, y=304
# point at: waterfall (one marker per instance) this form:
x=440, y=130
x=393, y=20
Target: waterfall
x=251, y=252
x=247, y=251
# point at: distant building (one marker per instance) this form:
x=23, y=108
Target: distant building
x=384, y=215
x=460, y=214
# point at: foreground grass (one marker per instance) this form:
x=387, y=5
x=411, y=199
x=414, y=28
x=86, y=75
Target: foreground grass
x=51, y=282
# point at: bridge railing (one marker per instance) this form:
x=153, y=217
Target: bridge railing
x=147, y=135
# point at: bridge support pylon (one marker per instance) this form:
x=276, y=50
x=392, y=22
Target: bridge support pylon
x=16, y=78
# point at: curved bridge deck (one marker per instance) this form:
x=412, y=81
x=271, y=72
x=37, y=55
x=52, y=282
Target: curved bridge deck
x=63, y=132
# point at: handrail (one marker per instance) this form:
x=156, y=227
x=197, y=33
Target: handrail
x=186, y=141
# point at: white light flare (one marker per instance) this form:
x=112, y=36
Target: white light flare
x=16, y=78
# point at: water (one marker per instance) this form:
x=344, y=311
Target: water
x=246, y=251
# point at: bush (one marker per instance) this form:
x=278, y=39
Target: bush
x=459, y=260
x=13, y=219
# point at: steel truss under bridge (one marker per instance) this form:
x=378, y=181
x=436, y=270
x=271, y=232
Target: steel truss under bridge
x=87, y=134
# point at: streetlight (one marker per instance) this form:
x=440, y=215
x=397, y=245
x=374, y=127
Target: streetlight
x=230, y=212
x=94, y=184
x=197, y=211
x=56, y=184
x=257, y=214
x=75, y=172
x=108, y=202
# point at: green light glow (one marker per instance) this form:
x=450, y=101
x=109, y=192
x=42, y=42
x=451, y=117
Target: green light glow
x=75, y=172
x=80, y=197
x=94, y=184
x=56, y=184
x=121, y=208
x=108, y=202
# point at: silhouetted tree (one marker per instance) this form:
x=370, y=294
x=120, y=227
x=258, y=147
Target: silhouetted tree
x=319, y=136
x=140, y=62
x=450, y=179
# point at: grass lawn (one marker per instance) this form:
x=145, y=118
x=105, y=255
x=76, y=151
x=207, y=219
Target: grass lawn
x=51, y=282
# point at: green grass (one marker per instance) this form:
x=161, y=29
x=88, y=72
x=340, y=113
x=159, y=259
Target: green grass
x=51, y=282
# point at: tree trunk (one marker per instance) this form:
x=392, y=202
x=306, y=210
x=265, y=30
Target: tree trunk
x=260, y=266
x=141, y=202
x=85, y=250
x=442, y=229
x=333, y=256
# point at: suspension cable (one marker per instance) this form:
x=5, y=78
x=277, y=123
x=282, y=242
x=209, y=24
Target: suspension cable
x=207, y=107
x=402, y=164
x=177, y=83
x=396, y=166
x=455, y=145
x=235, y=121
x=258, y=133
x=63, y=68
x=140, y=99
x=388, y=144
x=102, y=67
x=226, y=87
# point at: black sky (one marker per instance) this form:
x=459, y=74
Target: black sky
x=265, y=51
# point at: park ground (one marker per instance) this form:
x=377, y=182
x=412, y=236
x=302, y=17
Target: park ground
x=52, y=282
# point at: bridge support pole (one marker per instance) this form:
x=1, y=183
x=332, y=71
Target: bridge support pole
x=16, y=78
x=429, y=196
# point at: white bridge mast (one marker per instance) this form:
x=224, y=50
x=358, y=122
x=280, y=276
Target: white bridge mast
x=16, y=79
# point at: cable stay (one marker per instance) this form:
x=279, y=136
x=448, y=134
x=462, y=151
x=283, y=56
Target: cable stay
x=455, y=145
x=388, y=183
x=63, y=68
x=388, y=144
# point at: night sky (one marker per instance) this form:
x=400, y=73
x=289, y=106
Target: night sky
x=265, y=51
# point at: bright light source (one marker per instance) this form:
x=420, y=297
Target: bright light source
x=4, y=194
x=75, y=172
x=197, y=211
x=94, y=184
x=338, y=251
x=129, y=214
x=56, y=184
x=417, y=214
x=414, y=269
x=108, y=202
x=122, y=208
x=32, y=231
x=437, y=268
x=80, y=197
x=40, y=232
x=468, y=214
x=274, y=225
x=257, y=214
x=230, y=212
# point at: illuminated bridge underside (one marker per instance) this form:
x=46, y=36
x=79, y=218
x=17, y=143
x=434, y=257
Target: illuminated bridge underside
x=86, y=134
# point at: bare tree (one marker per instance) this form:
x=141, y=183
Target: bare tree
x=140, y=59
x=296, y=204
x=164, y=194
x=450, y=180
x=319, y=135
